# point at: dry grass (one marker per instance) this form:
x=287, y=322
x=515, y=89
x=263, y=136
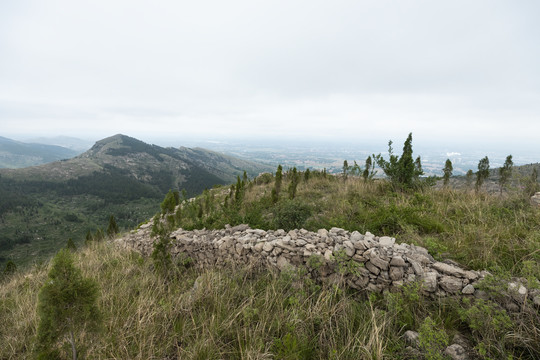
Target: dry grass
x=244, y=313
x=250, y=313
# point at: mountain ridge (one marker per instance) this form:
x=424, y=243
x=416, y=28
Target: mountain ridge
x=17, y=154
x=119, y=175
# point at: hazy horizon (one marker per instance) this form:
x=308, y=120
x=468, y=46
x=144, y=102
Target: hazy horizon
x=453, y=73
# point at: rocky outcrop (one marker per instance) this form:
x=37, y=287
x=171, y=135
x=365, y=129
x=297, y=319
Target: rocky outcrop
x=363, y=261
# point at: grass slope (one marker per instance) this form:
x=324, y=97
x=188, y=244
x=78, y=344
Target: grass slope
x=481, y=231
x=253, y=313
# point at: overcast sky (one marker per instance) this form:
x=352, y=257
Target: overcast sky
x=459, y=70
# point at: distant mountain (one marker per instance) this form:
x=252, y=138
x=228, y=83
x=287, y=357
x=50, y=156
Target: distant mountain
x=16, y=154
x=42, y=206
x=76, y=144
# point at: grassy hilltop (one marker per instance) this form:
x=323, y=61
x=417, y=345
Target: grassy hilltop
x=252, y=313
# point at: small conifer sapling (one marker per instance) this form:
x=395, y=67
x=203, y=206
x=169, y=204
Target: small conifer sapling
x=67, y=306
x=482, y=173
x=447, y=171
x=505, y=172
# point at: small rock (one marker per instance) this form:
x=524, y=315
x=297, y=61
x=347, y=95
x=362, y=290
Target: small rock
x=375, y=270
x=398, y=261
x=386, y=241
x=268, y=247
x=328, y=255
x=241, y=227
x=430, y=281
x=461, y=340
x=456, y=352
x=378, y=262
x=468, y=290
x=416, y=267
x=283, y=263
x=301, y=242
x=412, y=338
x=356, y=236
x=451, y=284
x=361, y=245
x=396, y=273
x=448, y=269
x=336, y=230
x=322, y=233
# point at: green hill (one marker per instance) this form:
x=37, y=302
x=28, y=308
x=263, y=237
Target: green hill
x=42, y=206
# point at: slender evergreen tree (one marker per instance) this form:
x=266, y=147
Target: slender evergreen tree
x=88, y=238
x=10, y=268
x=482, y=173
x=369, y=170
x=169, y=203
x=112, y=229
x=67, y=306
x=505, y=172
x=70, y=245
x=307, y=173
x=277, y=185
x=469, y=177
x=293, y=184
x=403, y=171
x=345, y=169
x=448, y=168
x=99, y=235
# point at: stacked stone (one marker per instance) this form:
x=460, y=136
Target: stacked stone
x=378, y=263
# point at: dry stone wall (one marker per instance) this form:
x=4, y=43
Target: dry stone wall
x=363, y=261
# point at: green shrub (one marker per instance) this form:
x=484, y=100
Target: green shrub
x=489, y=324
x=433, y=340
x=290, y=214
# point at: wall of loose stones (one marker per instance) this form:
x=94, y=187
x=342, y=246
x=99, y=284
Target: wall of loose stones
x=363, y=261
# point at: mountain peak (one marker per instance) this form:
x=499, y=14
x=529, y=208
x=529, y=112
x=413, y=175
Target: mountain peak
x=105, y=146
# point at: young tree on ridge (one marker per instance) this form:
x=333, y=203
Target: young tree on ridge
x=345, y=169
x=277, y=186
x=469, y=177
x=293, y=184
x=112, y=229
x=67, y=306
x=483, y=173
x=448, y=168
x=505, y=172
x=369, y=170
x=403, y=171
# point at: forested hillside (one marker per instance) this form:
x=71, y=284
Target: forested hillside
x=42, y=206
